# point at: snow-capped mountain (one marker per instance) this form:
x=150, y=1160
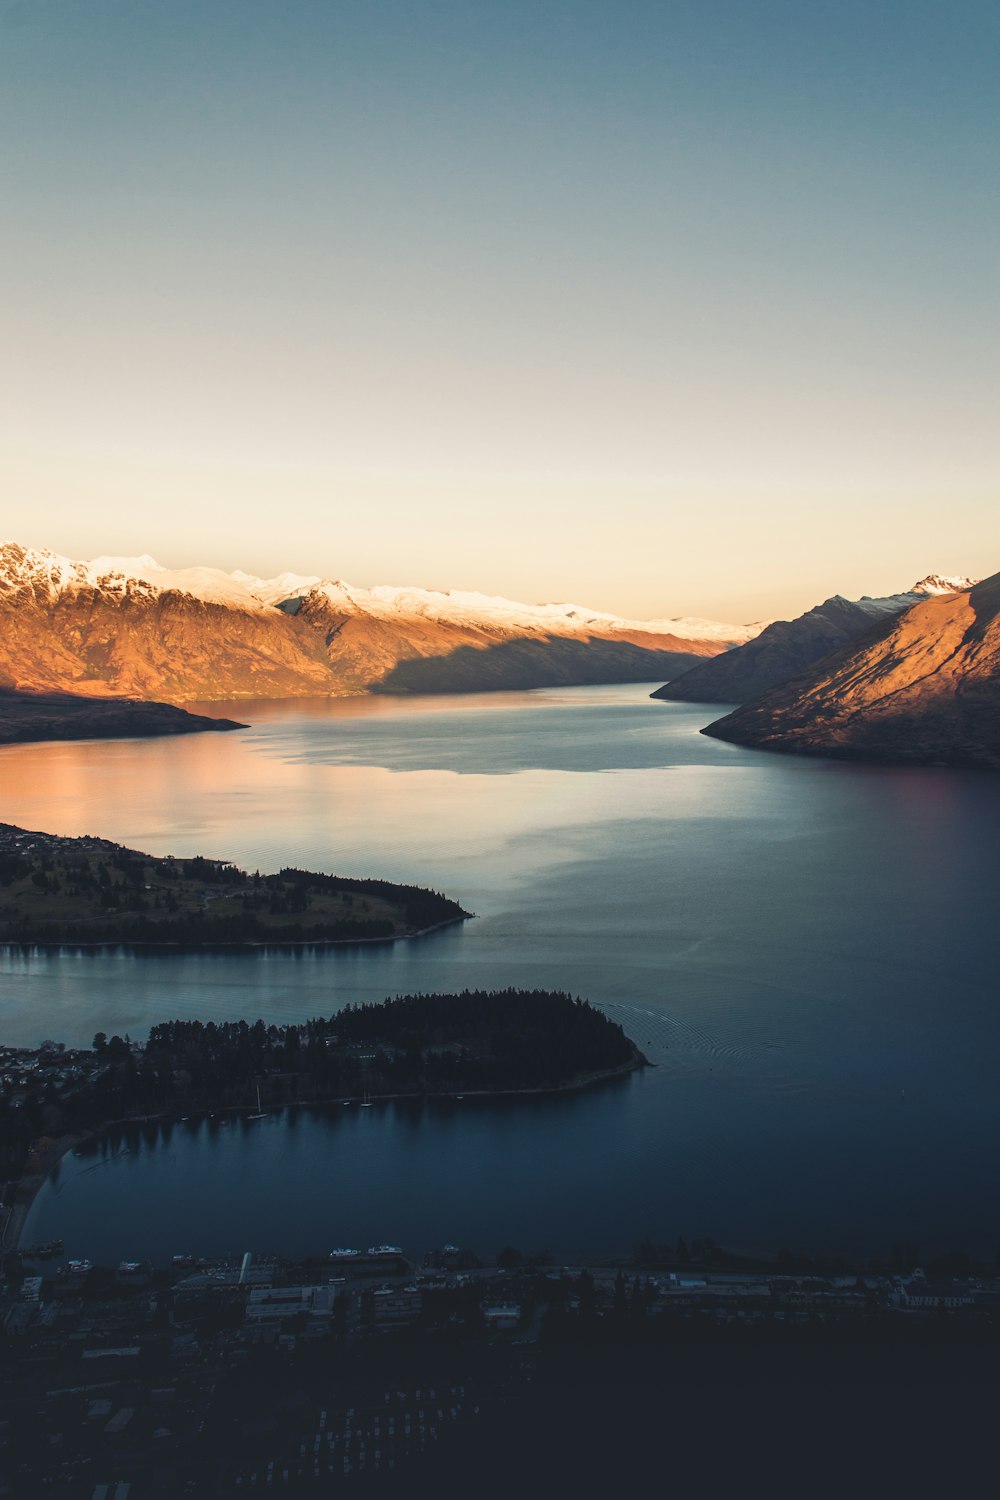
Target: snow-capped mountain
x=936, y=583
x=469, y=609
x=786, y=647
x=121, y=625
x=48, y=575
x=921, y=687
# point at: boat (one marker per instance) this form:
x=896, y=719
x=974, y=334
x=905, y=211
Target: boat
x=131, y=1267
x=79, y=1267
x=342, y=1254
x=366, y=1102
x=385, y=1250
x=261, y=1113
x=182, y=1260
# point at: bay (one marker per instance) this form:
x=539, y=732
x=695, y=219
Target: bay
x=806, y=950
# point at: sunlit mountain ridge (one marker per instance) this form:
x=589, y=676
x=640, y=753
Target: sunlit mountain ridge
x=125, y=626
x=919, y=687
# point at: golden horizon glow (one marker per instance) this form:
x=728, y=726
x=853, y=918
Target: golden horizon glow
x=664, y=313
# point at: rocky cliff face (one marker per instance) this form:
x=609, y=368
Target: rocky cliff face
x=920, y=688
x=125, y=627
x=787, y=647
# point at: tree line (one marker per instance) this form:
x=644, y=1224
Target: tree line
x=419, y=1045
x=130, y=897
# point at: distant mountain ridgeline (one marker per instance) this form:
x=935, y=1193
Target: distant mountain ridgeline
x=921, y=688
x=124, y=627
x=80, y=891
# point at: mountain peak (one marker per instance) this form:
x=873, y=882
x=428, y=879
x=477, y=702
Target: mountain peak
x=922, y=689
x=787, y=647
x=939, y=583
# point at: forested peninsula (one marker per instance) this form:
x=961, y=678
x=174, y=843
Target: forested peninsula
x=78, y=891
x=478, y=1042
x=25, y=717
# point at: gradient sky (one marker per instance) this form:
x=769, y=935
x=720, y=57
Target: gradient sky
x=676, y=307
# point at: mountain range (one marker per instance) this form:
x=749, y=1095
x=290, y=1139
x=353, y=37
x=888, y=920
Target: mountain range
x=114, y=645
x=786, y=647
x=125, y=627
x=921, y=687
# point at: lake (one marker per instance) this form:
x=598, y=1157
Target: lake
x=806, y=950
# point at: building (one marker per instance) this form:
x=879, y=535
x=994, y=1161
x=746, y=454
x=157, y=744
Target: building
x=267, y=1303
x=929, y=1296
x=396, y=1304
x=502, y=1317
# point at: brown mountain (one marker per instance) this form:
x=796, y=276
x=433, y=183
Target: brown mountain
x=125, y=627
x=921, y=688
x=786, y=647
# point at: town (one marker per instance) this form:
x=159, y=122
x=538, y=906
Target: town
x=229, y=1377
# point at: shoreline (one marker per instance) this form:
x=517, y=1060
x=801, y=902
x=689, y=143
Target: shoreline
x=291, y=945
x=27, y=1187
x=30, y=1184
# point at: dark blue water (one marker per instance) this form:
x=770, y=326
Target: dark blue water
x=807, y=951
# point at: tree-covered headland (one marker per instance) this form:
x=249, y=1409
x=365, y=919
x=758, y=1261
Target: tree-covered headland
x=479, y=1041
x=85, y=890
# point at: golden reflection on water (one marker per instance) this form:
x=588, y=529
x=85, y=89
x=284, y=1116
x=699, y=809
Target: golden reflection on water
x=290, y=790
x=272, y=795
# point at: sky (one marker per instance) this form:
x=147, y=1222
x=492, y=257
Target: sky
x=687, y=307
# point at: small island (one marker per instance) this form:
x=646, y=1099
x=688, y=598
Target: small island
x=58, y=891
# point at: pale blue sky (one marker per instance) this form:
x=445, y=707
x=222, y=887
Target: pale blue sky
x=667, y=308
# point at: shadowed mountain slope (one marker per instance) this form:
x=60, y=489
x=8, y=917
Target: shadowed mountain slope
x=546, y=662
x=922, y=688
x=787, y=647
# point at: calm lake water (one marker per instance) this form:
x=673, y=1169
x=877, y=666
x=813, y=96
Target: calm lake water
x=808, y=952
